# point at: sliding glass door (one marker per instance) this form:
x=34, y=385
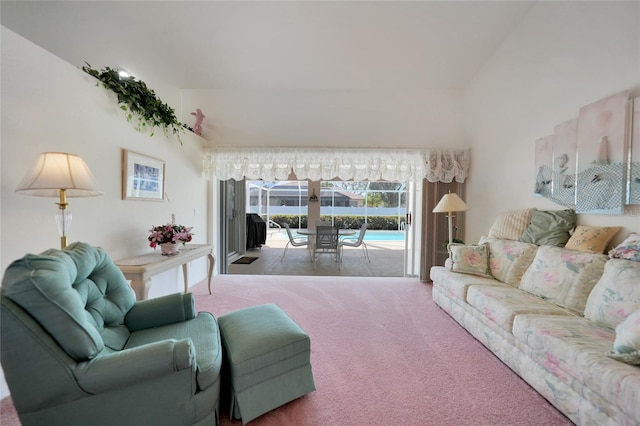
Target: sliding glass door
x=233, y=224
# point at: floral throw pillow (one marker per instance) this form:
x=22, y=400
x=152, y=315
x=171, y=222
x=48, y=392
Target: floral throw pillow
x=626, y=347
x=563, y=277
x=470, y=259
x=628, y=249
x=591, y=239
x=616, y=295
x=508, y=260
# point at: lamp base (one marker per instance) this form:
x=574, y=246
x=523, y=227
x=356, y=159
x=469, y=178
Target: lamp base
x=450, y=220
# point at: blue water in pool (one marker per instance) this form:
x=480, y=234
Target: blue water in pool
x=384, y=236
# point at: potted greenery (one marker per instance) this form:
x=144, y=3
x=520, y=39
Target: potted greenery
x=138, y=101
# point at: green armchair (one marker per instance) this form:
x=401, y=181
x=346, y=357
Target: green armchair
x=77, y=349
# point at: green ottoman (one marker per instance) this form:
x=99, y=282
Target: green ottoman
x=268, y=359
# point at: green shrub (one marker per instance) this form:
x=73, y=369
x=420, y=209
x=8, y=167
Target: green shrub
x=382, y=223
x=294, y=221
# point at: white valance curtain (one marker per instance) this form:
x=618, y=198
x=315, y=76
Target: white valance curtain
x=435, y=165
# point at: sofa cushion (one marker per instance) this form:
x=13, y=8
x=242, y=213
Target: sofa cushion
x=564, y=277
x=628, y=249
x=469, y=259
x=456, y=285
x=626, y=347
x=617, y=293
x=508, y=260
x=77, y=294
x=549, y=228
x=591, y=239
x=572, y=349
x=501, y=304
x=510, y=225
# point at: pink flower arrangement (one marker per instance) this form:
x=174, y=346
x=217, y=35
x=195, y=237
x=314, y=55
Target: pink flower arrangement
x=169, y=233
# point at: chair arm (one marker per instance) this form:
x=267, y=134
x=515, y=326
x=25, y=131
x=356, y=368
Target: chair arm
x=349, y=237
x=135, y=365
x=164, y=310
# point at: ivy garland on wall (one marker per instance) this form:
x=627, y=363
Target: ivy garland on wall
x=138, y=101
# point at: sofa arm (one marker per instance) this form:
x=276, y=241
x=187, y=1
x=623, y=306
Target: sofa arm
x=164, y=310
x=131, y=366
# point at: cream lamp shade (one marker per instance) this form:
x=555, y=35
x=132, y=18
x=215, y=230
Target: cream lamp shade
x=58, y=174
x=58, y=170
x=448, y=204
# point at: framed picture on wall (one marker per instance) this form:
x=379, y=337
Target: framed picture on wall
x=602, y=135
x=543, y=162
x=565, y=152
x=634, y=169
x=142, y=177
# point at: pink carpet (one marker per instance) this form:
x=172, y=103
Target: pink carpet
x=382, y=353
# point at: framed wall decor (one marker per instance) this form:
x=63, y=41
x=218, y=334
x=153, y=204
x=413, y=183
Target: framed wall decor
x=565, y=152
x=543, y=161
x=602, y=133
x=634, y=166
x=142, y=177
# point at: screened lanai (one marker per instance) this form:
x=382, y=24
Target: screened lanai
x=383, y=187
x=382, y=205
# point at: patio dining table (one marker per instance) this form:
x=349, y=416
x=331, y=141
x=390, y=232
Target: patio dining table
x=341, y=232
x=311, y=233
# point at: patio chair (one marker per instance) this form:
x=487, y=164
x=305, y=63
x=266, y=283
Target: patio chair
x=293, y=241
x=359, y=242
x=327, y=242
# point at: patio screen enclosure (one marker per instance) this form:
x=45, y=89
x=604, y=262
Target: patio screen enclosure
x=382, y=205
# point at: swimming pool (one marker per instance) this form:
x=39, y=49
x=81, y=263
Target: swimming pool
x=384, y=235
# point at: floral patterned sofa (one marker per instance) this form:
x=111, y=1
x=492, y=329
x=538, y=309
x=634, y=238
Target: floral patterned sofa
x=566, y=320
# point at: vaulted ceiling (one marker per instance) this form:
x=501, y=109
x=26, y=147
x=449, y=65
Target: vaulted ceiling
x=215, y=51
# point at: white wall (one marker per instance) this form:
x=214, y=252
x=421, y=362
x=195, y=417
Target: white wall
x=50, y=105
x=564, y=55
x=372, y=118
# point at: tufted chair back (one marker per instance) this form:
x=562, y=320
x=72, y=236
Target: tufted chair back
x=78, y=295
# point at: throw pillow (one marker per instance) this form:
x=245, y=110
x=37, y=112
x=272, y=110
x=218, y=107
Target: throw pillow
x=508, y=260
x=549, y=228
x=628, y=357
x=591, y=239
x=628, y=249
x=626, y=347
x=616, y=295
x=563, y=277
x=511, y=225
x=470, y=259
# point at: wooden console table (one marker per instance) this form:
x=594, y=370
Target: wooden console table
x=140, y=269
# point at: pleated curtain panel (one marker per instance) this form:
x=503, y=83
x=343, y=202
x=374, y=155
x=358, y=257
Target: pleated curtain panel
x=436, y=165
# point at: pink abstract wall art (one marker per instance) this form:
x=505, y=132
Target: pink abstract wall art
x=602, y=135
x=565, y=151
x=634, y=170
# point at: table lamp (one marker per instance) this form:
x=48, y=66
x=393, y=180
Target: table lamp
x=448, y=204
x=58, y=174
